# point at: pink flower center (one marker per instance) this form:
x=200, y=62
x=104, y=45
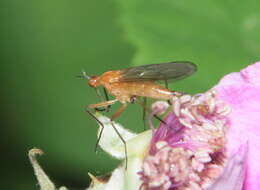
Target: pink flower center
x=188, y=152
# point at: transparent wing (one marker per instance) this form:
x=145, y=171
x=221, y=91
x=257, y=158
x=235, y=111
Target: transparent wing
x=163, y=71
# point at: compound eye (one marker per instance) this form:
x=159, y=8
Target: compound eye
x=93, y=82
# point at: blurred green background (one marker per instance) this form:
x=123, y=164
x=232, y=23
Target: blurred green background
x=45, y=44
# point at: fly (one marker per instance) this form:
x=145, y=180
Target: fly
x=127, y=85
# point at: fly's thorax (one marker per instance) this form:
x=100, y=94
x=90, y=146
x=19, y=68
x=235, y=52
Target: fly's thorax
x=110, y=77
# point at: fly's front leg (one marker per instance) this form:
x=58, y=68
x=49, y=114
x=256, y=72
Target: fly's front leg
x=102, y=104
x=101, y=125
x=101, y=98
x=114, y=116
x=94, y=106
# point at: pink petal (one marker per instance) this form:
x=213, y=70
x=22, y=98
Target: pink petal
x=234, y=173
x=241, y=91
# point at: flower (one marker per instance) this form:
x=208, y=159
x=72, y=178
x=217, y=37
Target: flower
x=188, y=150
x=241, y=91
x=208, y=141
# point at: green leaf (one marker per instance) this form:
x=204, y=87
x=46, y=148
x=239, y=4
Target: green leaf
x=219, y=36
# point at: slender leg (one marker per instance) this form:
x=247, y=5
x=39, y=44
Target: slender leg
x=124, y=142
x=100, y=109
x=101, y=99
x=102, y=104
x=161, y=120
x=118, y=112
x=101, y=124
x=107, y=99
x=144, y=111
x=114, y=116
x=155, y=116
x=166, y=84
x=99, y=94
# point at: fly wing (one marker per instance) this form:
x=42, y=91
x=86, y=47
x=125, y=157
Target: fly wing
x=163, y=71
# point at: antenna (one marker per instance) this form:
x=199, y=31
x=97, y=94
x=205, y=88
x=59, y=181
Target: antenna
x=84, y=75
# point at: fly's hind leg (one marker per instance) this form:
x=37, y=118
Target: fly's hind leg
x=134, y=99
x=166, y=86
x=143, y=104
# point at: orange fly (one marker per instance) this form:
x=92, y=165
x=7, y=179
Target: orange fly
x=127, y=85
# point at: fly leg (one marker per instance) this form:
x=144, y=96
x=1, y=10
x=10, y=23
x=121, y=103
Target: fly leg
x=144, y=111
x=159, y=107
x=166, y=86
x=118, y=112
x=154, y=115
x=133, y=99
x=114, y=116
x=143, y=104
x=102, y=99
x=101, y=125
x=107, y=99
x=102, y=104
x=94, y=106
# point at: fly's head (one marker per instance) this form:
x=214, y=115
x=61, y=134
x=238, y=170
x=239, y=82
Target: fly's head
x=94, y=81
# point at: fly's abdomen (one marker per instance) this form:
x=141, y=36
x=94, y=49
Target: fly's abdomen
x=145, y=89
x=157, y=92
x=149, y=89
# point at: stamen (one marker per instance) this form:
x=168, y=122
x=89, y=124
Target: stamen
x=189, y=152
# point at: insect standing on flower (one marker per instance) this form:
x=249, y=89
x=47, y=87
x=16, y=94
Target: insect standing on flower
x=127, y=85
